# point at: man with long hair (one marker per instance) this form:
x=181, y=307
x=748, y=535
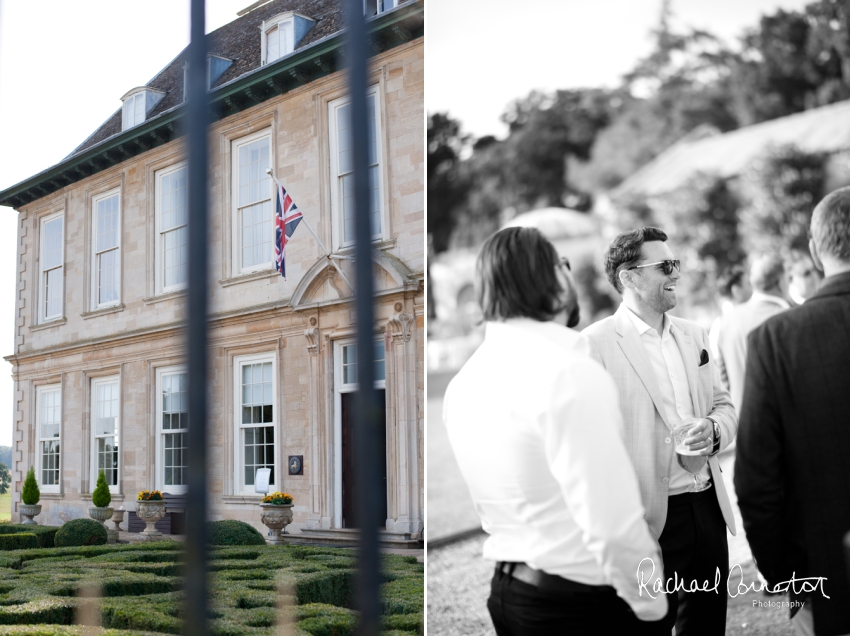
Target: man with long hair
x=536, y=429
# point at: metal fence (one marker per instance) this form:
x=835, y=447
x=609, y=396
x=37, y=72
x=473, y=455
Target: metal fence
x=367, y=480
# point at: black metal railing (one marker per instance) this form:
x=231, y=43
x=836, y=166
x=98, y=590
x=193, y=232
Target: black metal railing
x=367, y=479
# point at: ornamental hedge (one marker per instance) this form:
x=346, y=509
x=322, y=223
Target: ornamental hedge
x=251, y=587
x=78, y=532
x=18, y=541
x=44, y=534
x=233, y=532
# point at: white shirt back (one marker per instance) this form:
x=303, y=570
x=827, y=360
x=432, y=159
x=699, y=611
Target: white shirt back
x=536, y=428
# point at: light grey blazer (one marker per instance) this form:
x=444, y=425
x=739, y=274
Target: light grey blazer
x=732, y=342
x=615, y=343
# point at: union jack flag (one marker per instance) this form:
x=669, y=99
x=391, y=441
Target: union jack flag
x=286, y=219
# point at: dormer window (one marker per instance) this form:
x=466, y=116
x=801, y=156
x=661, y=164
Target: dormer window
x=216, y=66
x=138, y=103
x=380, y=6
x=282, y=33
x=279, y=40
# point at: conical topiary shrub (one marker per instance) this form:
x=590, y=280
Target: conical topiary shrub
x=101, y=497
x=31, y=493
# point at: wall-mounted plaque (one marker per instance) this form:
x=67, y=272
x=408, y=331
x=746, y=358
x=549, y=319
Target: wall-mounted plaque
x=296, y=464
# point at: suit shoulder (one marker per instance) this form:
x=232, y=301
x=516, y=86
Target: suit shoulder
x=687, y=326
x=790, y=319
x=598, y=329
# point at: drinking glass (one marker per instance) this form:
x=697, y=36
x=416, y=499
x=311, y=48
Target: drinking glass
x=685, y=454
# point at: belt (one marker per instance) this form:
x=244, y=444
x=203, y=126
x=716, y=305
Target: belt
x=689, y=498
x=548, y=582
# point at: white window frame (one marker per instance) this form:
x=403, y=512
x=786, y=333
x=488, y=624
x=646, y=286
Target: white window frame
x=159, y=249
x=128, y=110
x=236, y=234
x=340, y=387
x=338, y=230
x=95, y=382
x=95, y=278
x=42, y=291
x=40, y=391
x=160, y=432
x=282, y=21
x=382, y=6
x=239, y=449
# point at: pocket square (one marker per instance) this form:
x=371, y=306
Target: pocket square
x=703, y=358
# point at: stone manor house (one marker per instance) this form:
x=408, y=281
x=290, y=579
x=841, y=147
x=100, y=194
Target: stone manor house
x=98, y=365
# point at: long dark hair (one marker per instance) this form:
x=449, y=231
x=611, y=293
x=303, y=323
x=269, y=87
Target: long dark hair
x=515, y=276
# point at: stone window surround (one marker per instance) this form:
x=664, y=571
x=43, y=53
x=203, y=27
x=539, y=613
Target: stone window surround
x=159, y=462
x=88, y=461
x=236, y=223
x=267, y=121
x=42, y=285
x=158, y=250
x=330, y=101
x=31, y=289
x=113, y=180
x=32, y=431
x=238, y=440
x=231, y=451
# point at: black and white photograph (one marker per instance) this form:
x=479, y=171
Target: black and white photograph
x=638, y=288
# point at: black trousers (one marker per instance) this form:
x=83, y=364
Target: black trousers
x=520, y=609
x=693, y=545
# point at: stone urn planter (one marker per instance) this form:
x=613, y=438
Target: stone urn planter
x=101, y=514
x=276, y=517
x=150, y=512
x=28, y=512
x=118, y=518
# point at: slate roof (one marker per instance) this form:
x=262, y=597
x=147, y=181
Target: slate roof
x=825, y=129
x=244, y=84
x=239, y=41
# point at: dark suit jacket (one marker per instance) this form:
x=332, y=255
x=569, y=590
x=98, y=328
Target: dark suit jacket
x=792, y=471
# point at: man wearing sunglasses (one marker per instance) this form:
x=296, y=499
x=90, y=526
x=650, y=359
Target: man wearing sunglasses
x=664, y=375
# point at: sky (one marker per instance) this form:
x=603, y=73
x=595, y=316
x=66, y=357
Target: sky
x=482, y=54
x=64, y=67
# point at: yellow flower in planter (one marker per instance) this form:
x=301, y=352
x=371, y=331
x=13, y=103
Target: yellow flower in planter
x=278, y=498
x=150, y=495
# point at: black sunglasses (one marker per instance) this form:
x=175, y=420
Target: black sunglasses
x=665, y=266
x=566, y=263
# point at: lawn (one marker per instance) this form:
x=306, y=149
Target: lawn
x=6, y=506
x=252, y=587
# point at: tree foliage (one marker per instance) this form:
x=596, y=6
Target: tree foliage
x=786, y=184
x=445, y=189
x=30, y=494
x=5, y=479
x=101, y=497
x=564, y=148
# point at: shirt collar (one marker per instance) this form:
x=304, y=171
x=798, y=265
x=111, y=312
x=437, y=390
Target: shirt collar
x=797, y=298
x=641, y=327
x=776, y=300
x=559, y=334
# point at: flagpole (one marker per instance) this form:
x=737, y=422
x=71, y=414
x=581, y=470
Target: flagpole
x=328, y=255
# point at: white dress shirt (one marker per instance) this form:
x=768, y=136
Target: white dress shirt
x=669, y=367
x=535, y=425
x=770, y=298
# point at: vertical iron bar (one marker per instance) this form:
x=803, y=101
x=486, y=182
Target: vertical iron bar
x=195, y=583
x=367, y=455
